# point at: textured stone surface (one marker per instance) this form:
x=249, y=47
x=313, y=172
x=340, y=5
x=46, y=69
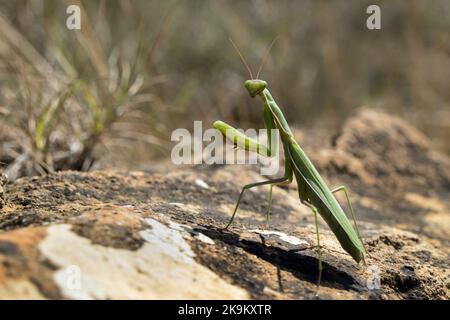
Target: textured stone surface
x=3, y=180
x=112, y=235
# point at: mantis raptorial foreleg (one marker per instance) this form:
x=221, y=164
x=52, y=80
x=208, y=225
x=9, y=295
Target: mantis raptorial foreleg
x=241, y=140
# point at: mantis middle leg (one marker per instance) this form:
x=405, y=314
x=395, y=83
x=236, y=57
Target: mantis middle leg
x=252, y=185
x=270, y=198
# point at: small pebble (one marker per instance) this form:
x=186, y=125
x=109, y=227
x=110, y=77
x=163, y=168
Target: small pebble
x=203, y=238
x=201, y=184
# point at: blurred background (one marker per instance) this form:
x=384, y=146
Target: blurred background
x=111, y=94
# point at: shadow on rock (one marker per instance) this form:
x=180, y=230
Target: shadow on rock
x=301, y=265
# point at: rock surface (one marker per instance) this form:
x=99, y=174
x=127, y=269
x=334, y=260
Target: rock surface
x=3, y=181
x=120, y=235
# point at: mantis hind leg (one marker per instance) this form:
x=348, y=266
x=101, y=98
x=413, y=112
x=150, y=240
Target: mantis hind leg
x=252, y=185
x=319, y=253
x=343, y=188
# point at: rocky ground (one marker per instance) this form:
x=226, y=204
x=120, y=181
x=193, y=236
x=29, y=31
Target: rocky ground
x=112, y=234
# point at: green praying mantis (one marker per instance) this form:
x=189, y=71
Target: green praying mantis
x=312, y=190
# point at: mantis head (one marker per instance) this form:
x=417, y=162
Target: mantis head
x=254, y=87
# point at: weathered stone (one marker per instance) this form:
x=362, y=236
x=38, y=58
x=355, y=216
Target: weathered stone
x=112, y=235
x=3, y=181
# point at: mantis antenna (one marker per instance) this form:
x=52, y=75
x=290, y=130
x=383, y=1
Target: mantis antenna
x=266, y=55
x=242, y=58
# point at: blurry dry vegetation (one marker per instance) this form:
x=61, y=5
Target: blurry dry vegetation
x=111, y=94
